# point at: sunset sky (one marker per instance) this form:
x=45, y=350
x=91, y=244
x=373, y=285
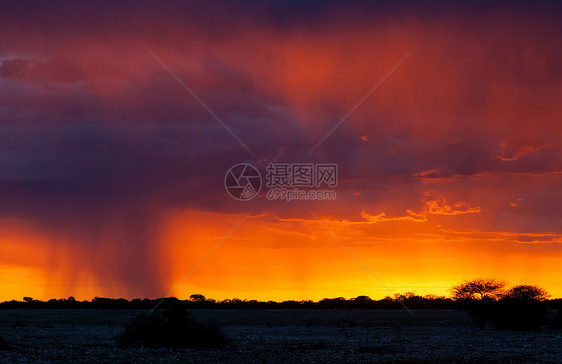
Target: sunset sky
x=112, y=173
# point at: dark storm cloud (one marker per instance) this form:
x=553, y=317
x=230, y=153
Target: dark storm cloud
x=56, y=70
x=55, y=23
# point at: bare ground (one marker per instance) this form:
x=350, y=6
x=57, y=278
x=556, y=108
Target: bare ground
x=279, y=336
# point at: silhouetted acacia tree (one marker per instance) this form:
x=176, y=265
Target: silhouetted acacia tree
x=479, y=289
x=526, y=293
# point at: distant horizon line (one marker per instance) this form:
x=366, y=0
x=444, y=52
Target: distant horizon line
x=237, y=299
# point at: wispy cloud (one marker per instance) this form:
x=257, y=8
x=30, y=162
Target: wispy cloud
x=520, y=152
x=383, y=217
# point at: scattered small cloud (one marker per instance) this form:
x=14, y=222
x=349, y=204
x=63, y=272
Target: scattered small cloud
x=383, y=217
x=426, y=173
x=509, y=155
x=440, y=207
x=437, y=204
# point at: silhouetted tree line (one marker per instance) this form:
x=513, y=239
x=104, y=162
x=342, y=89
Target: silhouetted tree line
x=413, y=301
x=482, y=297
x=198, y=301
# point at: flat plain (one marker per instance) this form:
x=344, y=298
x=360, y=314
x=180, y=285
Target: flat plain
x=279, y=336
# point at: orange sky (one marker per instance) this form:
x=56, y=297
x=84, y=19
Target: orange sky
x=111, y=174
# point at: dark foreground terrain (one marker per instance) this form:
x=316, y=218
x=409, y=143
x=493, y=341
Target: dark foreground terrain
x=279, y=336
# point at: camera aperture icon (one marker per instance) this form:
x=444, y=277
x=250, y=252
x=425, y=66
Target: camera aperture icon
x=243, y=182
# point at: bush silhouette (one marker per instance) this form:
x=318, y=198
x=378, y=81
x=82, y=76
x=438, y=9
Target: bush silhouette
x=197, y=298
x=508, y=314
x=557, y=320
x=526, y=293
x=520, y=308
x=173, y=328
